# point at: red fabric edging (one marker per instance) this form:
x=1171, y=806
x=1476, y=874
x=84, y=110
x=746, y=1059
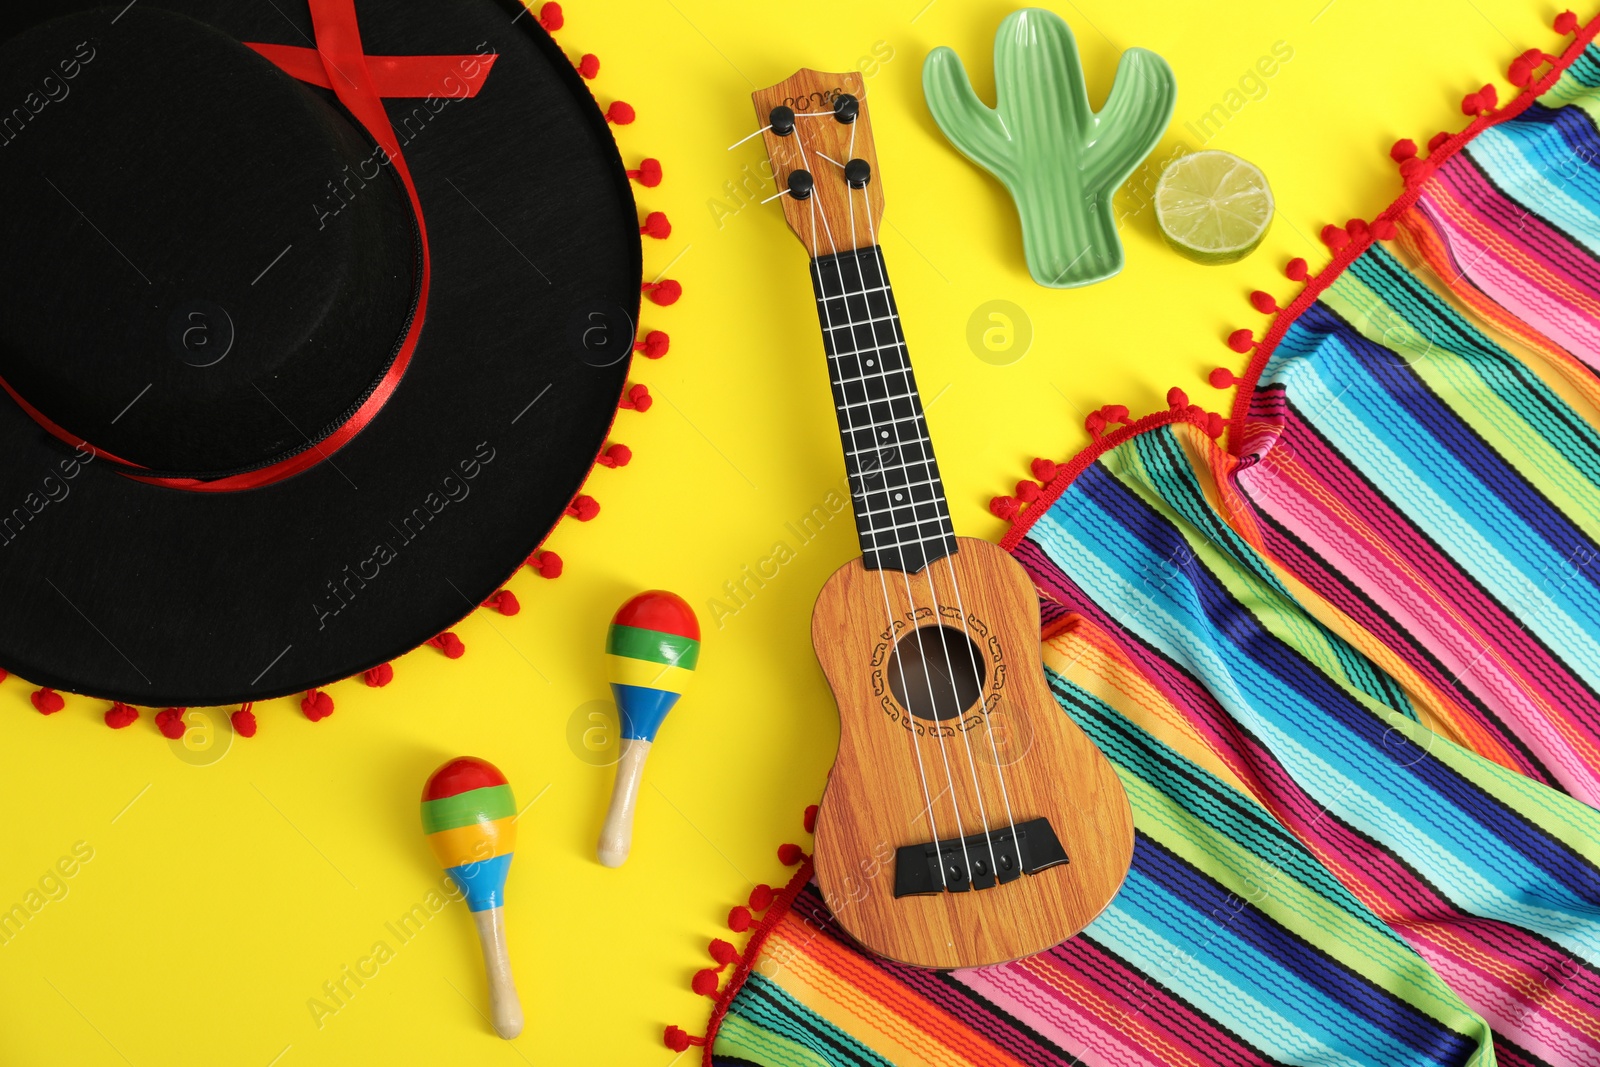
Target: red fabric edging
x=1358, y=244
x=1069, y=471
x=769, y=921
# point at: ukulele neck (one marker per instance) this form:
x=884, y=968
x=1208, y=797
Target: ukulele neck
x=902, y=518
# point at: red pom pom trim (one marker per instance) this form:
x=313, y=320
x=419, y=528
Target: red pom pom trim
x=620, y=113
x=316, y=705
x=657, y=226
x=615, y=456
x=663, y=293
x=47, y=701
x=1485, y=99
x=505, y=602
x=548, y=564
x=636, y=398
x=648, y=174
x=120, y=716
x=705, y=982
x=678, y=1040
x=654, y=345
x=244, y=721
x=1522, y=68
x=449, y=644
x=379, y=676
x=170, y=723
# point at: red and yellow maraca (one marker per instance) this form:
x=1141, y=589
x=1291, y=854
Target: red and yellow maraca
x=470, y=816
x=652, y=649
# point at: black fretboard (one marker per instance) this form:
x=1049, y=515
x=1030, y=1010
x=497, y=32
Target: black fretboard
x=895, y=489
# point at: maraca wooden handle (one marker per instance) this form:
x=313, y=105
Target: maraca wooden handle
x=616, y=836
x=505, y=1007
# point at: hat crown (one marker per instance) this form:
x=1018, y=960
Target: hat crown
x=207, y=265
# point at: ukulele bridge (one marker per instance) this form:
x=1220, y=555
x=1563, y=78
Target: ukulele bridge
x=978, y=861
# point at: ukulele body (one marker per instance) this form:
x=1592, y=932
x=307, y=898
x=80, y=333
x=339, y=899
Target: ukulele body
x=1016, y=749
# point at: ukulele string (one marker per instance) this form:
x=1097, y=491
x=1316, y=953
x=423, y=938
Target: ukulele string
x=988, y=727
x=911, y=598
x=747, y=136
x=933, y=589
x=888, y=610
x=872, y=429
x=883, y=277
x=927, y=670
x=955, y=582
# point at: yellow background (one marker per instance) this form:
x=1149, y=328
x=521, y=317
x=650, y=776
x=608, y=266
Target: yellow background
x=225, y=889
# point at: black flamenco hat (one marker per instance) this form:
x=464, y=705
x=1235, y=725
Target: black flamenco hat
x=311, y=331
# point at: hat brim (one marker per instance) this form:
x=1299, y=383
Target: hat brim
x=156, y=596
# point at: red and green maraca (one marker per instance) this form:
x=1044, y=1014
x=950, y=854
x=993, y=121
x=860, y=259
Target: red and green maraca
x=470, y=818
x=652, y=649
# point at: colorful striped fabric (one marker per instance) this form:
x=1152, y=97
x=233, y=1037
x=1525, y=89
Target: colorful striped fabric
x=1348, y=670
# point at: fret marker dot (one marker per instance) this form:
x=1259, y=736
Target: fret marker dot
x=885, y=433
x=869, y=363
x=899, y=496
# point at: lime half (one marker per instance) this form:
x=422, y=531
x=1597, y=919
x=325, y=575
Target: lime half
x=1213, y=206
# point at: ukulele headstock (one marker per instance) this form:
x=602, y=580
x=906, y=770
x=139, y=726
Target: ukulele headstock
x=818, y=128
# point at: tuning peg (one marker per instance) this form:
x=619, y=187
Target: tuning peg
x=781, y=120
x=846, y=107
x=858, y=172
x=800, y=184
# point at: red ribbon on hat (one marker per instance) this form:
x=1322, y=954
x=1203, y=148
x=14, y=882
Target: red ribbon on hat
x=361, y=82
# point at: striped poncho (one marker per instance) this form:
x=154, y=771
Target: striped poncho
x=1347, y=666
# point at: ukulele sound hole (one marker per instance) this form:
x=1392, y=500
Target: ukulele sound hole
x=936, y=672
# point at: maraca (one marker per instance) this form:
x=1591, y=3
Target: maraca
x=470, y=818
x=651, y=651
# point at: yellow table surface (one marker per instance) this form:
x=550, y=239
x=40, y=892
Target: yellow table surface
x=223, y=890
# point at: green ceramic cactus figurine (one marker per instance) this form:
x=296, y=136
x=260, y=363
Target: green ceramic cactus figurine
x=1061, y=161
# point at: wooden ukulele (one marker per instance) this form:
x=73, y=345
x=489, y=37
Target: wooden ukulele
x=967, y=820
